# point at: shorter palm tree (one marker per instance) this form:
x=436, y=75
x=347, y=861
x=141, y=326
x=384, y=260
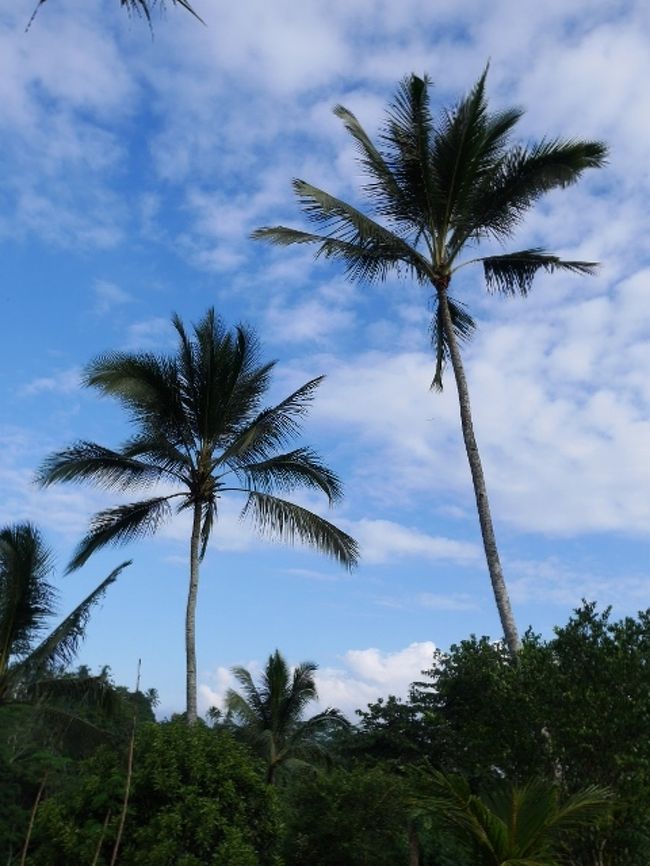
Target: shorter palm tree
x=27, y=602
x=201, y=430
x=270, y=716
x=514, y=825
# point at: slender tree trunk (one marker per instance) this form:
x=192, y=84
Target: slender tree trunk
x=478, y=479
x=127, y=784
x=32, y=818
x=190, y=617
x=414, y=845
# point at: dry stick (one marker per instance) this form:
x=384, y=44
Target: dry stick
x=32, y=818
x=101, y=838
x=129, y=775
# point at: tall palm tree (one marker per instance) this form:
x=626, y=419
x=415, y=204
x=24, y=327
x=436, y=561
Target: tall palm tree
x=27, y=602
x=439, y=185
x=270, y=716
x=200, y=428
x=514, y=825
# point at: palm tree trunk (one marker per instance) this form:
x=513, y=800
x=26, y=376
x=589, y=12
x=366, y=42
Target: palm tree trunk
x=190, y=617
x=478, y=479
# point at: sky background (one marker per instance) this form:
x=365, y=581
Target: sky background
x=134, y=170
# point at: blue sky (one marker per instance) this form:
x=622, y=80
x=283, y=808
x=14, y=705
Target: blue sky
x=135, y=170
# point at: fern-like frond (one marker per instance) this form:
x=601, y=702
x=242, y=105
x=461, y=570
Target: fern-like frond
x=464, y=326
x=120, y=525
x=514, y=272
x=285, y=521
x=297, y=469
x=60, y=646
x=108, y=469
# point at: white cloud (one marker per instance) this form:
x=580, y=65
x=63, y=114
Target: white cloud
x=384, y=541
x=60, y=382
x=108, y=295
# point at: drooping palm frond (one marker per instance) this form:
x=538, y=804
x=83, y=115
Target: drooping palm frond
x=291, y=471
x=120, y=525
x=368, y=250
x=514, y=272
x=286, y=521
x=464, y=326
x=27, y=599
x=108, y=469
x=29, y=677
x=60, y=646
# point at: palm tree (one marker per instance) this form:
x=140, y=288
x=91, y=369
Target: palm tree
x=514, y=825
x=200, y=428
x=270, y=716
x=27, y=602
x=439, y=185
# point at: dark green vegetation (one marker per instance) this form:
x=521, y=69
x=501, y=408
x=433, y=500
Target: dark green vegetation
x=440, y=187
x=201, y=429
x=544, y=761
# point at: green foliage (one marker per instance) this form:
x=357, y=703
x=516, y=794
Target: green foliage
x=44, y=742
x=197, y=799
x=576, y=707
x=355, y=817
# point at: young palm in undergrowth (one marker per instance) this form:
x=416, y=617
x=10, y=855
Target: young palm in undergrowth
x=439, y=185
x=513, y=825
x=270, y=716
x=201, y=429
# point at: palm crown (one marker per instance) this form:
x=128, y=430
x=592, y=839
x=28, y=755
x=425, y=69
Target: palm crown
x=202, y=432
x=438, y=185
x=270, y=716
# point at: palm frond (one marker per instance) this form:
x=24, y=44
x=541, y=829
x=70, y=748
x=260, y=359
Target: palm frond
x=464, y=326
x=108, y=469
x=144, y=7
x=288, y=472
x=272, y=428
x=148, y=388
x=27, y=600
x=517, y=180
x=161, y=454
x=288, y=522
x=408, y=135
x=383, y=187
x=120, y=525
x=208, y=519
x=60, y=646
x=368, y=250
x=514, y=272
